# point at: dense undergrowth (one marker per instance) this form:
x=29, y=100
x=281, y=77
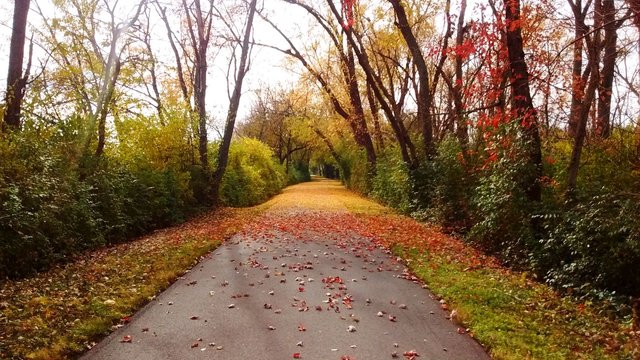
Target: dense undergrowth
x=586, y=243
x=55, y=203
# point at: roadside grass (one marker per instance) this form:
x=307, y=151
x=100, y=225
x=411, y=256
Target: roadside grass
x=513, y=316
x=61, y=312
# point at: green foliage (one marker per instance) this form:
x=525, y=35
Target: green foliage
x=52, y=207
x=441, y=188
x=501, y=213
x=253, y=174
x=593, y=243
x=298, y=173
x=589, y=244
x=391, y=184
x=354, y=168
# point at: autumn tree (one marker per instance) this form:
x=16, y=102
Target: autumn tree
x=199, y=24
x=16, y=78
x=424, y=96
x=353, y=110
x=278, y=118
x=86, y=70
x=240, y=72
x=521, y=104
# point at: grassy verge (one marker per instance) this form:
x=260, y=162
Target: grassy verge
x=59, y=313
x=513, y=316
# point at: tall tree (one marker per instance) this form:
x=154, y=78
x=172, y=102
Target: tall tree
x=354, y=114
x=111, y=67
x=199, y=30
x=16, y=79
x=424, y=91
x=241, y=71
x=521, y=103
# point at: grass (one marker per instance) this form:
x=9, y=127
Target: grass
x=61, y=312
x=517, y=318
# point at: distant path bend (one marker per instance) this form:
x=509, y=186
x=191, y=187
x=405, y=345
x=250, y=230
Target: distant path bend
x=306, y=281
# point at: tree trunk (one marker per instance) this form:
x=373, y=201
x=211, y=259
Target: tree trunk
x=582, y=119
x=578, y=80
x=521, y=105
x=200, y=46
x=603, y=117
x=360, y=129
x=462, y=132
x=102, y=120
x=424, y=95
x=377, y=131
x=16, y=81
x=223, y=152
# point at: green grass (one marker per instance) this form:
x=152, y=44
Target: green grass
x=517, y=318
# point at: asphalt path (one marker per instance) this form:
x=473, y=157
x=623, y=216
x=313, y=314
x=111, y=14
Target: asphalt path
x=277, y=295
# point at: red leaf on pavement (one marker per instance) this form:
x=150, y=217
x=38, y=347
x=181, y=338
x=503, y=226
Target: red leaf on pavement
x=126, y=339
x=297, y=356
x=411, y=354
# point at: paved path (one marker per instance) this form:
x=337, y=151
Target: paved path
x=268, y=293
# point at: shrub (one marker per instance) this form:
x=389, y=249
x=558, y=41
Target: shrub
x=50, y=209
x=298, y=173
x=355, y=171
x=594, y=243
x=253, y=174
x=391, y=185
x=442, y=188
x=501, y=213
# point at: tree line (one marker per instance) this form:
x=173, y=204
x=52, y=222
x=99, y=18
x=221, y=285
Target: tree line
x=512, y=123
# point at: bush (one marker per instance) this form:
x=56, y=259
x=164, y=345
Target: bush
x=253, y=174
x=355, y=171
x=593, y=243
x=391, y=184
x=442, y=188
x=51, y=209
x=298, y=173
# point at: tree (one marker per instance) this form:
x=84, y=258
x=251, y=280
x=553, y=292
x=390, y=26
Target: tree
x=112, y=66
x=16, y=79
x=278, y=119
x=354, y=112
x=199, y=30
x=232, y=113
x=424, y=94
x=521, y=104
